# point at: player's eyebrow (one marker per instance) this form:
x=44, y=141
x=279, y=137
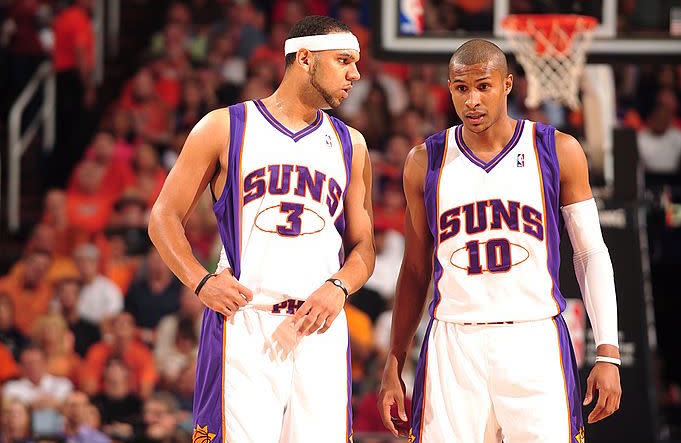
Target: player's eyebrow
x=486, y=77
x=347, y=54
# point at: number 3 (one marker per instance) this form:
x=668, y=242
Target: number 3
x=295, y=210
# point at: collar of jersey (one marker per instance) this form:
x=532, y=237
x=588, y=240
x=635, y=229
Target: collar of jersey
x=309, y=129
x=487, y=167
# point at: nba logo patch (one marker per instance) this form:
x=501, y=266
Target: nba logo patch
x=328, y=141
x=520, y=162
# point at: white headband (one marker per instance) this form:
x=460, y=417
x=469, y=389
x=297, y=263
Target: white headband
x=323, y=42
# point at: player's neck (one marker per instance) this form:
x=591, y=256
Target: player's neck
x=493, y=139
x=287, y=105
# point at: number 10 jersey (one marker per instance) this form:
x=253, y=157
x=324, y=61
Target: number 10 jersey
x=495, y=227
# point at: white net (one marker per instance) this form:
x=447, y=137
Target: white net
x=552, y=51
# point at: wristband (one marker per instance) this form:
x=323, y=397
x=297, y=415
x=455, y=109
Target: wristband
x=203, y=282
x=338, y=283
x=604, y=359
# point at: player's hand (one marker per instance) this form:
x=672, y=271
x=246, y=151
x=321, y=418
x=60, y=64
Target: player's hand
x=224, y=294
x=605, y=377
x=319, y=310
x=391, y=396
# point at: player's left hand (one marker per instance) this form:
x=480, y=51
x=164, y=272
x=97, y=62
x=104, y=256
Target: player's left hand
x=319, y=310
x=605, y=377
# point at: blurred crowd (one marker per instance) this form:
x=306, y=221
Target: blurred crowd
x=98, y=339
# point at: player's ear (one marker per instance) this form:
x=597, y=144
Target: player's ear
x=508, y=84
x=303, y=58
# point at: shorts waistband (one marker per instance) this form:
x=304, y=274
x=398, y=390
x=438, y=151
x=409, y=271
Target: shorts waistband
x=488, y=323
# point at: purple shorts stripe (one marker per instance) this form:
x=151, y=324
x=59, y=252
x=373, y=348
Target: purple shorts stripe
x=209, y=401
x=549, y=170
x=348, y=434
x=571, y=377
x=418, y=398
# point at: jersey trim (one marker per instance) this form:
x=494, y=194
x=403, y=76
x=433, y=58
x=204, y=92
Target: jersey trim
x=345, y=142
x=549, y=178
x=488, y=166
x=228, y=207
x=279, y=126
x=436, y=147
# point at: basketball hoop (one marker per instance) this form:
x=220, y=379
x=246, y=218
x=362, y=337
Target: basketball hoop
x=552, y=50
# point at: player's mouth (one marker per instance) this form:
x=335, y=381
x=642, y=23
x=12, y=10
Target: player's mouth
x=346, y=91
x=475, y=118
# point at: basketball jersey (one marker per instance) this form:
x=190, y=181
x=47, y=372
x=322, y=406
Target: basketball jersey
x=495, y=227
x=281, y=215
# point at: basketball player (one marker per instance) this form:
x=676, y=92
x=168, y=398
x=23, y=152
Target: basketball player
x=291, y=188
x=483, y=216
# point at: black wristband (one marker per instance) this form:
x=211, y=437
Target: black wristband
x=203, y=282
x=339, y=284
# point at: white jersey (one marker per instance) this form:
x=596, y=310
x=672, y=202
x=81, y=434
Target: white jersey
x=281, y=215
x=495, y=227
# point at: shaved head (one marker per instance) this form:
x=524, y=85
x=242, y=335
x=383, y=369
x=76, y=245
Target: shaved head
x=478, y=51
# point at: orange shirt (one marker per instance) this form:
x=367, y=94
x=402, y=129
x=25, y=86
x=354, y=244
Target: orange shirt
x=136, y=357
x=88, y=212
x=8, y=367
x=361, y=333
x=29, y=304
x=72, y=31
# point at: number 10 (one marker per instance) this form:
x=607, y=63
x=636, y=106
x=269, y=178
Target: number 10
x=498, y=256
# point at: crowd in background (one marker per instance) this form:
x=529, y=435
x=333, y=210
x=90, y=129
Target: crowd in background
x=98, y=339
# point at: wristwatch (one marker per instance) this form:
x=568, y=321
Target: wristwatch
x=337, y=282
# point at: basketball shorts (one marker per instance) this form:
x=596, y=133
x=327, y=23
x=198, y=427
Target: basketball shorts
x=487, y=383
x=257, y=383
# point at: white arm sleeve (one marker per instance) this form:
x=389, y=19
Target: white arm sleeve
x=593, y=269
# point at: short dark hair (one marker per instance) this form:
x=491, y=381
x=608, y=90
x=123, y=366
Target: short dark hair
x=314, y=25
x=479, y=51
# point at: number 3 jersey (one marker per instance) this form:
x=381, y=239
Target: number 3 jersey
x=495, y=227
x=281, y=215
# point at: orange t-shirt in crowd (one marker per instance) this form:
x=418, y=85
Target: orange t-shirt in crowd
x=72, y=30
x=136, y=357
x=361, y=333
x=29, y=304
x=8, y=367
x=88, y=212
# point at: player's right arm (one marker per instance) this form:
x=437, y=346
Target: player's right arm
x=412, y=286
x=203, y=159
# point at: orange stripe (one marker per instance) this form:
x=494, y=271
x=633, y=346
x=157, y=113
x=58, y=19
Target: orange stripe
x=562, y=371
x=437, y=215
x=543, y=202
x=224, y=355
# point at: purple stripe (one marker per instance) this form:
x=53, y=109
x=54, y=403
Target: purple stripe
x=550, y=172
x=571, y=374
x=349, y=412
x=418, y=397
x=497, y=158
x=435, y=147
x=228, y=208
x=208, y=383
x=346, y=145
x=283, y=129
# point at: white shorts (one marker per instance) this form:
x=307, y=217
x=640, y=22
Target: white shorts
x=256, y=383
x=484, y=383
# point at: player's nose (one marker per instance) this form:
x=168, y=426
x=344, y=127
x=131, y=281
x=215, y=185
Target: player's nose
x=353, y=73
x=473, y=98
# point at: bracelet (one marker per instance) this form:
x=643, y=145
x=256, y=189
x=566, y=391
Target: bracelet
x=613, y=360
x=203, y=282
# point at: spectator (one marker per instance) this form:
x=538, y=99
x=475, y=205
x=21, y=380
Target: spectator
x=78, y=424
x=153, y=296
x=117, y=405
x=37, y=387
x=67, y=292
x=15, y=422
x=29, y=290
x=88, y=203
x=51, y=333
x=10, y=336
x=123, y=345
x=117, y=173
x=161, y=421
x=99, y=298
x=55, y=215
x=73, y=58
x=151, y=116
x=8, y=366
x=659, y=143
x=149, y=172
